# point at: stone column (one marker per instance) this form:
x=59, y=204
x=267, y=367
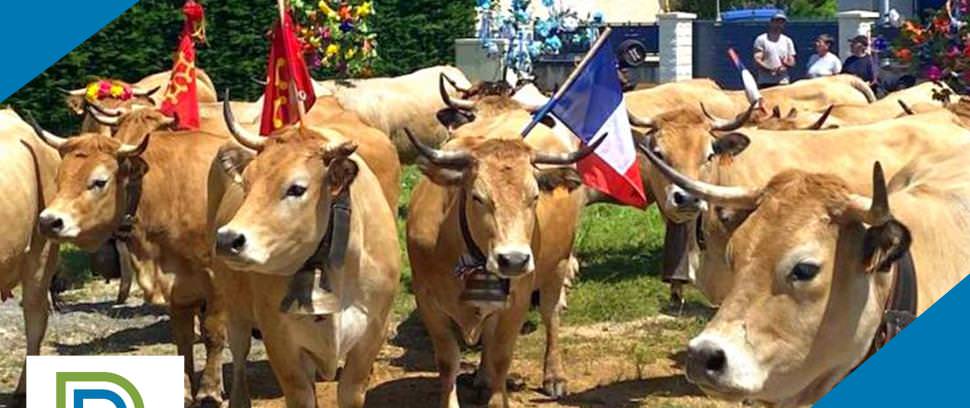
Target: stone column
x=676, y=46
x=472, y=59
x=853, y=23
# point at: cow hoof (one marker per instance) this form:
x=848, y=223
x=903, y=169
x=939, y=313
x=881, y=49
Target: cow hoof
x=554, y=388
x=515, y=383
x=209, y=399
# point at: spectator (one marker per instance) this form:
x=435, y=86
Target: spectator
x=824, y=62
x=859, y=63
x=774, y=54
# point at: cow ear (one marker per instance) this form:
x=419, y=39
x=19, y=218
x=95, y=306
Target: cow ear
x=551, y=178
x=548, y=121
x=776, y=112
x=731, y=144
x=452, y=118
x=341, y=173
x=731, y=218
x=884, y=244
x=442, y=176
x=233, y=159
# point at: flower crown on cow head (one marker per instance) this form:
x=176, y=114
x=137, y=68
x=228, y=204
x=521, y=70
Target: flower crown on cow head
x=104, y=89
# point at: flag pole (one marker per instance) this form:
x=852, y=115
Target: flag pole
x=569, y=80
x=300, y=109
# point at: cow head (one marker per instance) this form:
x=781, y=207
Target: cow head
x=78, y=99
x=501, y=180
x=487, y=100
x=795, y=121
x=289, y=187
x=810, y=265
x=692, y=144
x=91, y=181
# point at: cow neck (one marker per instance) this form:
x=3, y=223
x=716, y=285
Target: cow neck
x=466, y=235
x=330, y=256
x=136, y=168
x=900, y=307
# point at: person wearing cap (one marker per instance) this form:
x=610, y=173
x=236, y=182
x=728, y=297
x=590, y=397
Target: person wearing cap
x=774, y=54
x=860, y=62
x=824, y=62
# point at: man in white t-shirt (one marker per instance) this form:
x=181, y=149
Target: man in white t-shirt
x=774, y=54
x=824, y=62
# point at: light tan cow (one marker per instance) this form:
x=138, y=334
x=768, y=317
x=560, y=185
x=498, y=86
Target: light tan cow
x=91, y=201
x=815, y=266
x=891, y=106
x=487, y=171
x=270, y=226
x=26, y=257
x=392, y=104
x=751, y=158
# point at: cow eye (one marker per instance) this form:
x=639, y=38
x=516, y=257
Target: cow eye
x=98, y=184
x=478, y=199
x=803, y=272
x=295, y=190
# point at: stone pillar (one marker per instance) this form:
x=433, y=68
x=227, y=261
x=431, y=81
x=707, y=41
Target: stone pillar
x=676, y=46
x=472, y=59
x=853, y=23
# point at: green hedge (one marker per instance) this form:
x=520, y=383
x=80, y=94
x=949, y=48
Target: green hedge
x=411, y=33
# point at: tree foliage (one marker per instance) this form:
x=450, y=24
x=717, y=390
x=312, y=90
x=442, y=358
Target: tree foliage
x=707, y=9
x=411, y=34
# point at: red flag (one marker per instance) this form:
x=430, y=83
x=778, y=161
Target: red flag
x=180, y=99
x=285, y=68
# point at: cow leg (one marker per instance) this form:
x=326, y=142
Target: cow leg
x=183, y=330
x=36, y=273
x=446, y=352
x=294, y=373
x=499, y=345
x=214, y=336
x=551, y=298
x=240, y=340
x=355, y=375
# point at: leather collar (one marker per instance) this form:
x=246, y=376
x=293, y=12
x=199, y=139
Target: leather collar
x=136, y=169
x=900, y=309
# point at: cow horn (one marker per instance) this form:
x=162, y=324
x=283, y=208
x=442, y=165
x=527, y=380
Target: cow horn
x=454, y=103
x=104, y=120
x=113, y=112
x=127, y=150
x=145, y=92
x=906, y=108
x=776, y=112
x=262, y=82
x=563, y=159
x=873, y=211
x=729, y=196
x=75, y=92
x=821, y=121
x=443, y=158
x=453, y=83
x=48, y=137
x=244, y=137
x=729, y=125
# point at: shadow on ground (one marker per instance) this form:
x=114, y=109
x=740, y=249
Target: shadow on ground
x=631, y=393
x=413, y=338
x=123, y=341
x=262, y=381
x=109, y=309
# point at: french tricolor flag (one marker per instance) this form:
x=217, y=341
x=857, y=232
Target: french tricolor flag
x=591, y=105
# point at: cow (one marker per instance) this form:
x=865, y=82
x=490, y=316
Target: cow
x=892, y=106
x=27, y=258
x=484, y=182
x=268, y=215
x=391, y=104
x=98, y=194
x=817, y=268
x=751, y=157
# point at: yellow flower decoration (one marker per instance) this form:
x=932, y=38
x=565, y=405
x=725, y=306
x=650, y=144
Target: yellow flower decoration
x=117, y=90
x=92, y=91
x=351, y=52
x=365, y=9
x=333, y=49
x=325, y=8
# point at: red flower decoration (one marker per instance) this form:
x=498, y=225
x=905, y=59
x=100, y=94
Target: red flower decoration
x=904, y=54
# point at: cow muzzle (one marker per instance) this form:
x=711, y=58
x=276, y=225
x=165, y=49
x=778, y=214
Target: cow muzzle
x=511, y=262
x=55, y=225
x=721, y=368
x=682, y=205
x=233, y=245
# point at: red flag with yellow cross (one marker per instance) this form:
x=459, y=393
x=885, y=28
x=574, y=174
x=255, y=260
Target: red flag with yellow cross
x=180, y=98
x=288, y=81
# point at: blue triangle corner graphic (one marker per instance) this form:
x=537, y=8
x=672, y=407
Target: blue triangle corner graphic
x=38, y=33
x=926, y=365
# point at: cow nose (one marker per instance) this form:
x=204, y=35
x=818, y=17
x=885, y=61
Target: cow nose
x=50, y=224
x=706, y=361
x=230, y=242
x=683, y=199
x=513, y=261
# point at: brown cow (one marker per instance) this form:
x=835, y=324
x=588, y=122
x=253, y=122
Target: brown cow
x=752, y=157
x=27, y=258
x=816, y=265
x=268, y=228
x=485, y=177
x=93, y=198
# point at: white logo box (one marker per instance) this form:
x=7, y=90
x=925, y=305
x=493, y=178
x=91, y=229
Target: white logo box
x=157, y=380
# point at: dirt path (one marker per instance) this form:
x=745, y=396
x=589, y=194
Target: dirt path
x=634, y=364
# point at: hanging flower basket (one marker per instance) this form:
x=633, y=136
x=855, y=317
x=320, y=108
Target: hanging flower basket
x=336, y=36
x=937, y=49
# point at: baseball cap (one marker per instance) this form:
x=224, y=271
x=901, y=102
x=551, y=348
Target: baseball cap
x=779, y=16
